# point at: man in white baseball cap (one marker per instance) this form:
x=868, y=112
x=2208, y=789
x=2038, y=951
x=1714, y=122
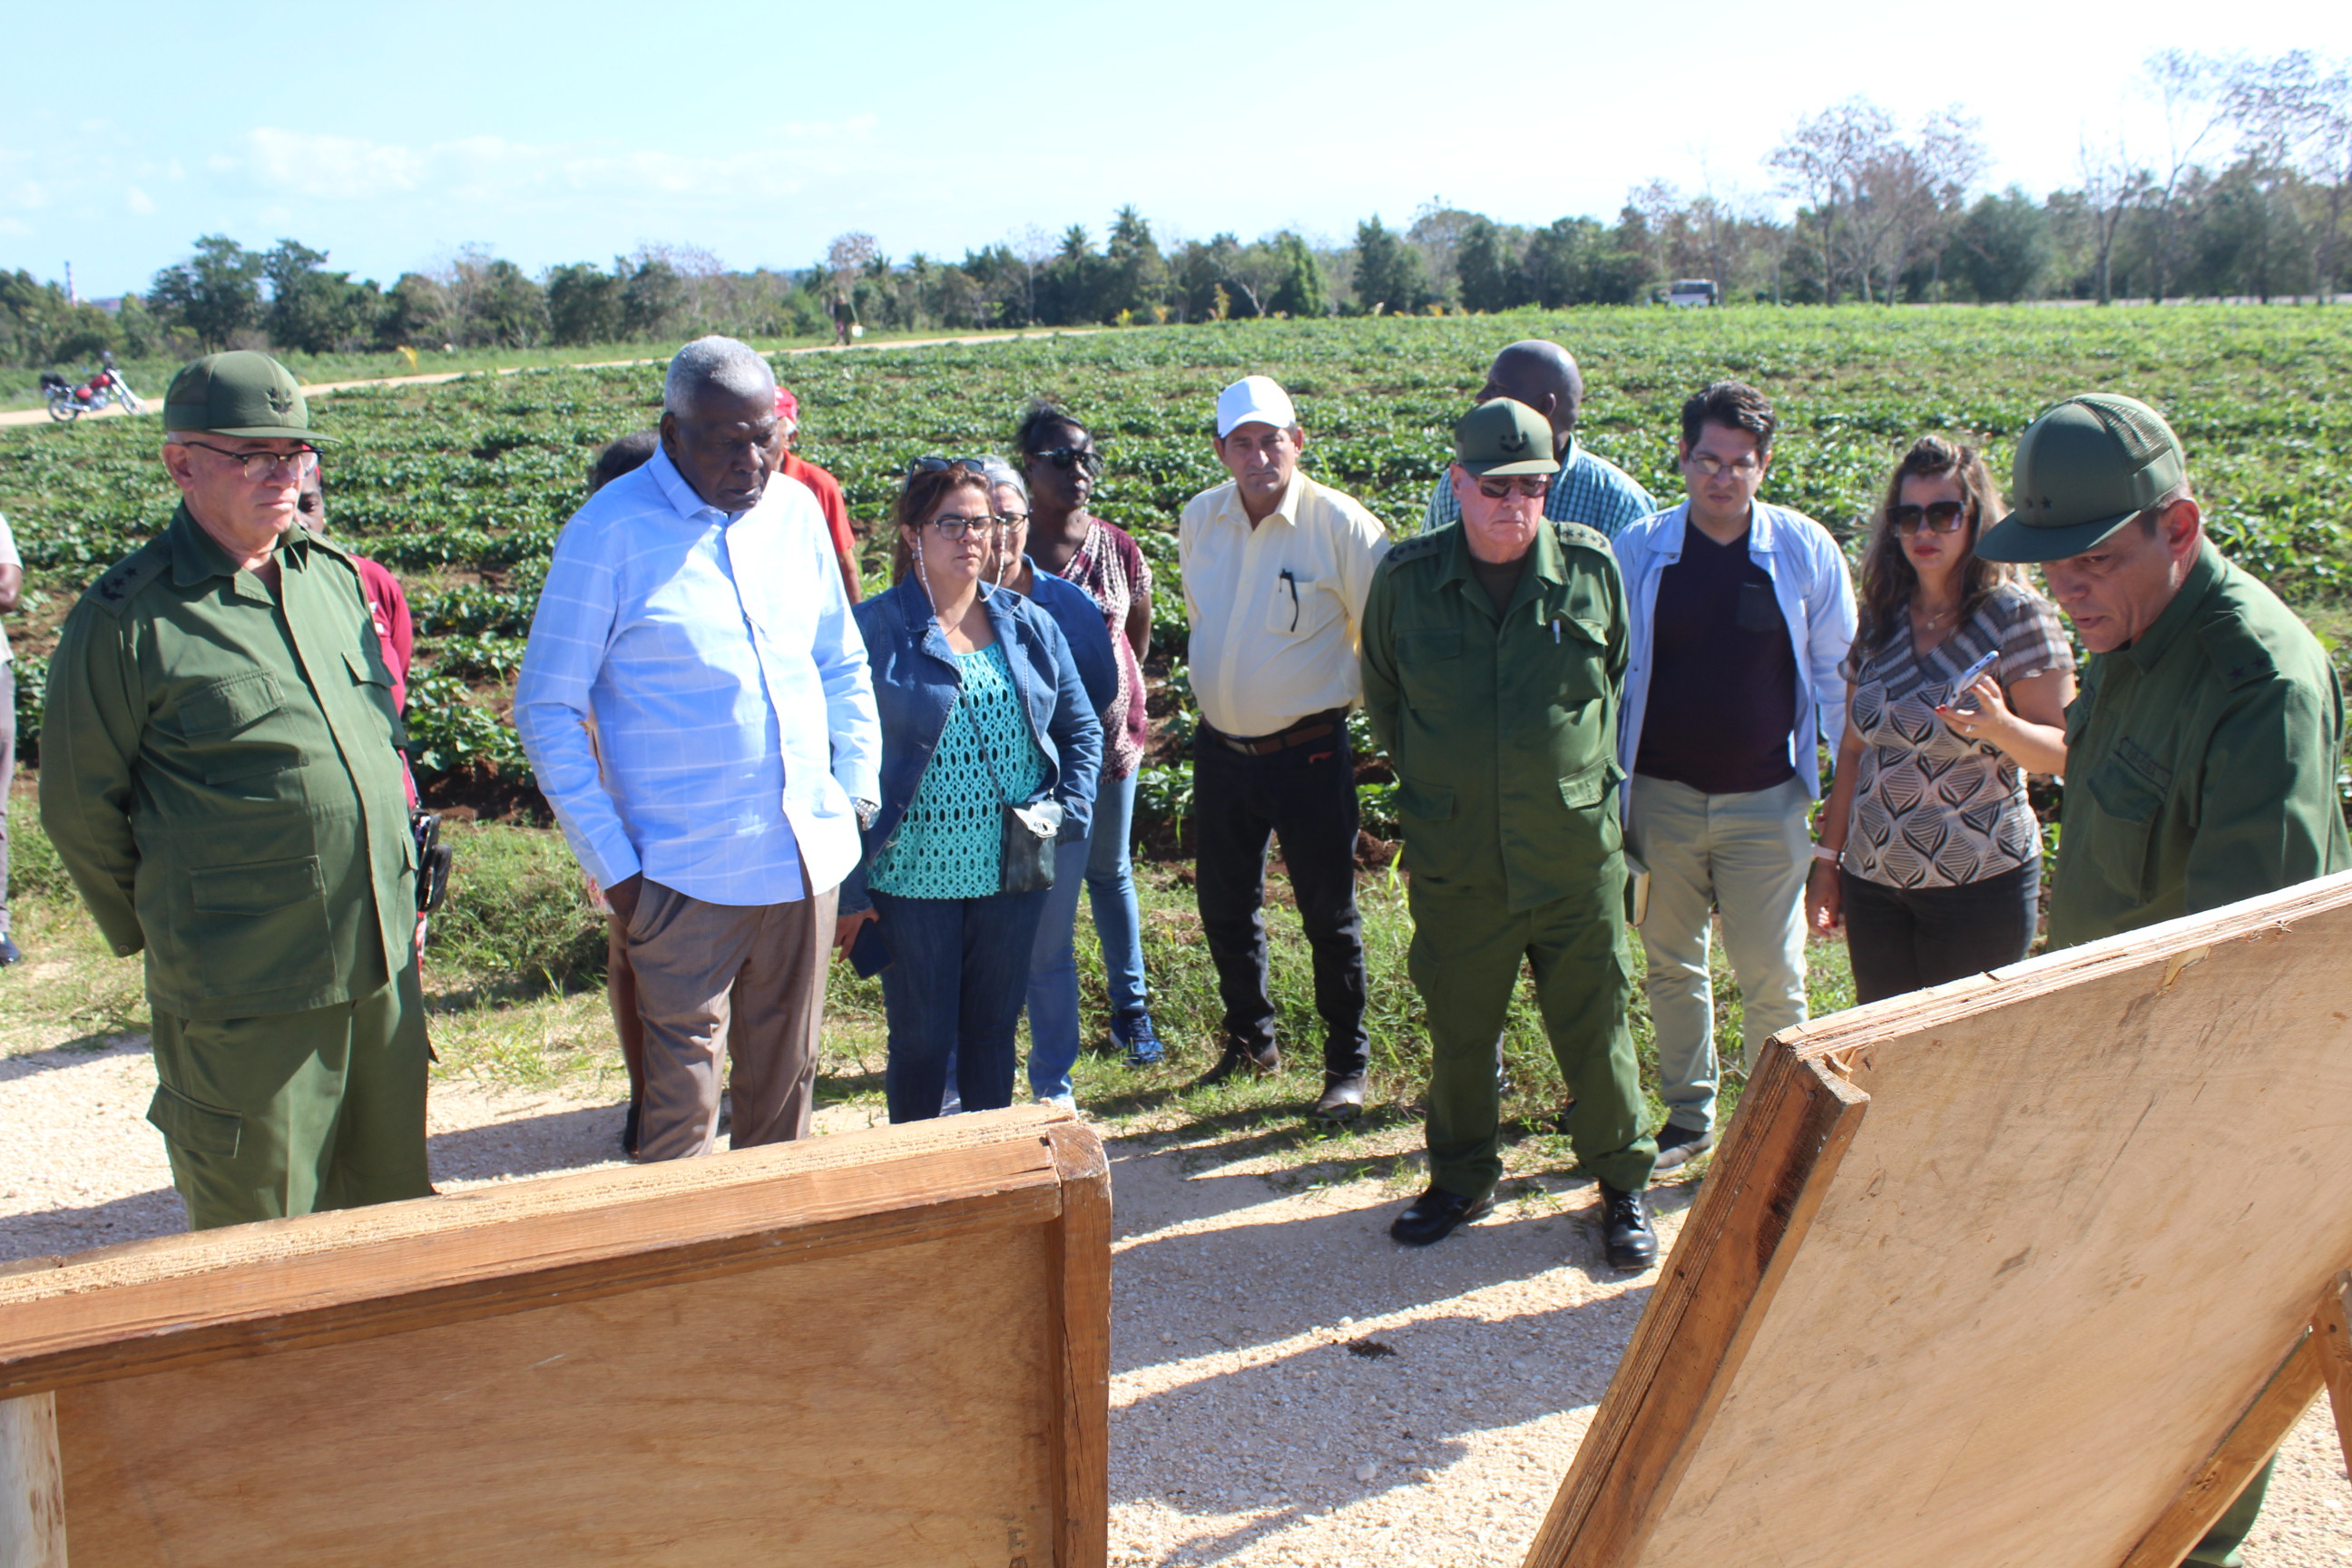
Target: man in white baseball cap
x=1276, y=570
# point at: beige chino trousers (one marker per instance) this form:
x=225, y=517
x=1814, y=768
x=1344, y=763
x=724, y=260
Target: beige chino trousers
x=744, y=981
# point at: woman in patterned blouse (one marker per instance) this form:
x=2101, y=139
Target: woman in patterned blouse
x=1061, y=464
x=981, y=707
x=1929, y=853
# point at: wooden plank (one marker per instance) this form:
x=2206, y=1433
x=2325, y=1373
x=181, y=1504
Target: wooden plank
x=2094, y=1198
x=1793, y=1124
x=2331, y=1331
x=2233, y=1462
x=1081, y=1285
x=892, y=1407
x=331, y=1277
x=32, y=1484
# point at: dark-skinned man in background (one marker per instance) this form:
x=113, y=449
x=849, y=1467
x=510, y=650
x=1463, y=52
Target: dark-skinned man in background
x=1494, y=665
x=694, y=614
x=219, y=774
x=1586, y=488
x=2201, y=753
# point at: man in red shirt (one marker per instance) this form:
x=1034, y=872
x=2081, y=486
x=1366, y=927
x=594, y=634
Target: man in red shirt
x=828, y=489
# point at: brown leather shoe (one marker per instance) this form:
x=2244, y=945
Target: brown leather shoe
x=1343, y=1096
x=1263, y=1063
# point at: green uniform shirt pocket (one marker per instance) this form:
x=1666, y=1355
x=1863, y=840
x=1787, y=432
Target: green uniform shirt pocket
x=233, y=703
x=375, y=680
x=260, y=928
x=2116, y=833
x=1424, y=666
x=199, y=1128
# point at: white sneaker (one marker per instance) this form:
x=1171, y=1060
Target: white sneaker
x=1067, y=1101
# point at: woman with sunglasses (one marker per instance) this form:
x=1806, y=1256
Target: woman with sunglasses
x=1059, y=460
x=1956, y=688
x=982, y=709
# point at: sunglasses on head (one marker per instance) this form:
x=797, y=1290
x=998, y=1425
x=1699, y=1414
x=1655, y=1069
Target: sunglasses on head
x=1941, y=516
x=940, y=465
x=1073, y=457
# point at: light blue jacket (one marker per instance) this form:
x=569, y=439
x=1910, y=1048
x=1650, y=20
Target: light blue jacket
x=1814, y=591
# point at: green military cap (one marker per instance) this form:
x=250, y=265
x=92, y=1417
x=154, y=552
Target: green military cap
x=1500, y=436
x=238, y=394
x=2084, y=469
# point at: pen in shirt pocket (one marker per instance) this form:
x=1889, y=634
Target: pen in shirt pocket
x=1291, y=582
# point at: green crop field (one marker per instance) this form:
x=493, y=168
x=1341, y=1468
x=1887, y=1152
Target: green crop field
x=462, y=488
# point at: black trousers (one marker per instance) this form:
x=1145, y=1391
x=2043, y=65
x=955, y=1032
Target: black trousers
x=1304, y=796
x=1902, y=938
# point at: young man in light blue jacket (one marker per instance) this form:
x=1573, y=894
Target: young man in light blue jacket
x=1742, y=612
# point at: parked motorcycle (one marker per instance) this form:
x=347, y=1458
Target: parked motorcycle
x=68, y=402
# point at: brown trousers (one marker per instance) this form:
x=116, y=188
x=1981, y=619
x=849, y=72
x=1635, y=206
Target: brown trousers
x=744, y=981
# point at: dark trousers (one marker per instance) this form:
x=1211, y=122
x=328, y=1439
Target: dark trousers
x=958, y=969
x=1902, y=938
x=1304, y=796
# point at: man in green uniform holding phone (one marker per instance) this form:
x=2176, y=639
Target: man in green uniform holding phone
x=2201, y=753
x=219, y=774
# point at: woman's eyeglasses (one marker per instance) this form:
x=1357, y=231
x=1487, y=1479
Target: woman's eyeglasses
x=1084, y=457
x=1941, y=516
x=953, y=527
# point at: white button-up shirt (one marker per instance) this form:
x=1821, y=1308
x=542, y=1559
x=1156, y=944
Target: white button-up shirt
x=716, y=657
x=1277, y=610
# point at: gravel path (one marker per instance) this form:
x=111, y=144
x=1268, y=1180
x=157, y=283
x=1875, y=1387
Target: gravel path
x=1287, y=1386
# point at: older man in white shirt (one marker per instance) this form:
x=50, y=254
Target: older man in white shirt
x=694, y=618
x=1276, y=570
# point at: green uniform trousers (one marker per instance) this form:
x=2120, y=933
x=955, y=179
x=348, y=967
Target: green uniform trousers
x=2219, y=1547
x=291, y=1112
x=1464, y=960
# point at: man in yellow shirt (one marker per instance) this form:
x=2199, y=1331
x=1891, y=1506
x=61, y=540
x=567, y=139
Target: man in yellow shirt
x=1276, y=571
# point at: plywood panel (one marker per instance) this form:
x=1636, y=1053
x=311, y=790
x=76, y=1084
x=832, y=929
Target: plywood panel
x=888, y=1348
x=887, y=1408
x=2088, y=1210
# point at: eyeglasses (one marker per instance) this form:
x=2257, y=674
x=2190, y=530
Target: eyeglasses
x=1011, y=520
x=957, y=527
x=941, y=465
x=1943, y=516
x=259, y=466
x=1710, y=465
x=1085, y=458
x=1529, y=486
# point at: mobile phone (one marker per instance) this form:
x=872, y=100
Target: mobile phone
x=1968, y=678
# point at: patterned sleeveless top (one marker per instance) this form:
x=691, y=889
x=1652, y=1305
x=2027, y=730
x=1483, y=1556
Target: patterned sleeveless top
x=1111, y=568
x=951, y=843
x=1931, y=809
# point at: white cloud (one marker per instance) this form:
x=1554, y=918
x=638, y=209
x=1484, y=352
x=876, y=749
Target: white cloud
x=138, y=200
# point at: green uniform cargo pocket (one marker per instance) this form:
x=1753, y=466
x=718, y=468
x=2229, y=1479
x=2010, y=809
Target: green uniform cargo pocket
x=2116, y=828
x=199, y=1128
x=260, y=929
x=1591, y=795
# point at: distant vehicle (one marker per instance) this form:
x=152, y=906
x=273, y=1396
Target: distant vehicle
x=1692, y=291
x=68, y=402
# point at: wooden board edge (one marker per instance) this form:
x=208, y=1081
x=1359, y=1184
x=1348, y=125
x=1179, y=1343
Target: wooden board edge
x=1081, y=1316
x=2331, y=1334
x=2167, y=948
x=173, y=1347
x=1793, y=1127
x=2245, y=1448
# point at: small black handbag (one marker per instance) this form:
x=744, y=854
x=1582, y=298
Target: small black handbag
x=1027, y=857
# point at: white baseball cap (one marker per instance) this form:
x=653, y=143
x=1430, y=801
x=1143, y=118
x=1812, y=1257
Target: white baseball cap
x=1258, y=398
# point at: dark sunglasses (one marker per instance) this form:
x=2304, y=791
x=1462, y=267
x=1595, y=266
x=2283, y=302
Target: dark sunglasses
x=1942, y=516
x=1073, y=457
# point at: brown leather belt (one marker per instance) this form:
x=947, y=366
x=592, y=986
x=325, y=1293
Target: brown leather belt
x=1314, y=727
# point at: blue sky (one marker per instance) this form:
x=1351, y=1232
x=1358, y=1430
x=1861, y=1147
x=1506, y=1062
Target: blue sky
x=389, y=136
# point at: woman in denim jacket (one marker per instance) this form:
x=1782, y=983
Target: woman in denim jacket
x=981, y=704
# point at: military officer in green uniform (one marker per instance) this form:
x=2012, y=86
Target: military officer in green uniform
x=2202, y=750
x=1494, y=663
x=219, y=774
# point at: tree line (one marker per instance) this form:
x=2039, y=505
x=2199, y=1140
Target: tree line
x=2240, y=192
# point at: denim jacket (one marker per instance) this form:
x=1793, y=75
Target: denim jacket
x=1815, y=594
x=916, y=683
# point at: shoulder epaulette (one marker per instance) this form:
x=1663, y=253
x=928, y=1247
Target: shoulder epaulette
x=2240, y=653
x=1420, y=546
x=1582, y=534
x=114, y=592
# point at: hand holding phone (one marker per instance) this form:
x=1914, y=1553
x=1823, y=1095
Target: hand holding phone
x=1966, y=678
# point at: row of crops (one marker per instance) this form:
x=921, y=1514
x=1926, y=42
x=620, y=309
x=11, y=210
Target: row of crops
x=462, y=487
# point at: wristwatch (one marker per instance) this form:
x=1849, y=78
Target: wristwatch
x=867, y=811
